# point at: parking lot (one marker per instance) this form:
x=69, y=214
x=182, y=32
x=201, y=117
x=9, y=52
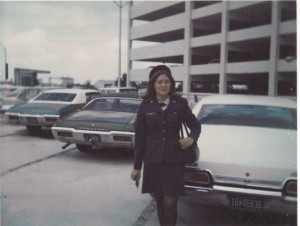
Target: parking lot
x=43, y=184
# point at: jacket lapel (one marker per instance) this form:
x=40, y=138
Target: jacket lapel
x=172, y=105
x=156, y=105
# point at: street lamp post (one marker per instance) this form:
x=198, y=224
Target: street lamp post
x=120, y=4
x=3, y=72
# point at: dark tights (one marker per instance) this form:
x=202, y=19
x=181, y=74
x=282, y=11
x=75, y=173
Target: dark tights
x=166, y=210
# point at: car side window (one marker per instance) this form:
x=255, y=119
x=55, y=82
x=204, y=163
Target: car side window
x=111, y=91
x=91, y=96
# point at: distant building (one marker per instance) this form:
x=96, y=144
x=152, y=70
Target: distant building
x=61, y=81
x=28, y=77
x=217, y=47
x=104, y=83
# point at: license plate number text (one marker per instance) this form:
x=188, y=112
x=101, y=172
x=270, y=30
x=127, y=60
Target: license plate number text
x=92, y=138
x=32, y=120
x=246, y=203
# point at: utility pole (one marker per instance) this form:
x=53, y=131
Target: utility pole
x=120, y=5
x=4, y=65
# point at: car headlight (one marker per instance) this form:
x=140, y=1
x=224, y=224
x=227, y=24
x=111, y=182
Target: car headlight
x=290, y=188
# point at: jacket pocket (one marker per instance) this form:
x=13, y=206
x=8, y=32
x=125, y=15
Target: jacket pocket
x=151, y=119
x=173, y=151
x=154, y=151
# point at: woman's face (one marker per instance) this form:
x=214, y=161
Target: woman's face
x=162, y=85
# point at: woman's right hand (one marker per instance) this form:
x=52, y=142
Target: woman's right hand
x=135, y=174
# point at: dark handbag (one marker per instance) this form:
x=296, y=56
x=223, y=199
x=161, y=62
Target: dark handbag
x=190, y=154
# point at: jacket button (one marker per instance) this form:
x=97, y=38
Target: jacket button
x=163, y=130
x=163, y=138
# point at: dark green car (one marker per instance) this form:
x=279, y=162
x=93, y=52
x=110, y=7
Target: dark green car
x=107, y=121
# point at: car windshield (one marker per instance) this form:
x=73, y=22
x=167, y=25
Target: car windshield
x=114, y=104
x=65, y=97
x=249, y=115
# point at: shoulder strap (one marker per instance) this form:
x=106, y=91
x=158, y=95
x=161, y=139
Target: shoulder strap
x=183, y=125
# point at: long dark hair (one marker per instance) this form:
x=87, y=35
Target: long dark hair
x=151, y=93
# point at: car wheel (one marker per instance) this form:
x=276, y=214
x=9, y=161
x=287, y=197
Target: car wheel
x=33, y=129
x=84, y=148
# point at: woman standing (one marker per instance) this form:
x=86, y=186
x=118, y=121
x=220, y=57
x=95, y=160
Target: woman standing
x=158, y=143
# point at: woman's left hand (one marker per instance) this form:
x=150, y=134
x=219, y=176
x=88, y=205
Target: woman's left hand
x=186, y=142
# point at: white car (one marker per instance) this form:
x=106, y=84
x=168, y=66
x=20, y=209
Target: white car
x=24, y=96
x=45, y=109
x=248, y=154
x=9, y=91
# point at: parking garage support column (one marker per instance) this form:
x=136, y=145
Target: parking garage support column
x=274, y=49
x=187, y=47
x=224, y=49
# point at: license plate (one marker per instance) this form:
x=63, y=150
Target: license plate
x=32, y=120
x=92, y=138
x=246, y=203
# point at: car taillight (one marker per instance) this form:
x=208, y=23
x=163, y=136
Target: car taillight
x=64, y=134
x=290, y=188
x=122, y=138
x=51, y=119
x=13, y=117
x=198, y=177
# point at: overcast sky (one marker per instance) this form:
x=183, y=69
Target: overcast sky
x=76, y=39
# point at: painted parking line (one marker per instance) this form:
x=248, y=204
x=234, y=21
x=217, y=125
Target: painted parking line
x=35, y=161
x=145, y=214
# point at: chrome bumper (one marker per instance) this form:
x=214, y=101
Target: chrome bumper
x=218, y=195
x=41, y=119
x=106, y=137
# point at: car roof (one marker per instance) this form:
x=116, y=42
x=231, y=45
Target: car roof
x=122, y=94
x=249, y=100
x=116, y=87
x=70, y=90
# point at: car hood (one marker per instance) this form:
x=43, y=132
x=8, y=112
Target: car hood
x=98, y=120
x=37, y=108
x=260, y=155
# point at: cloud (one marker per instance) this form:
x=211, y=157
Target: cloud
x=77, y=39
x=30, y=38
x=30, y=49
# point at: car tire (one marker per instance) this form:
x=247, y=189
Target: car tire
x=84, y=148
x=33, y=129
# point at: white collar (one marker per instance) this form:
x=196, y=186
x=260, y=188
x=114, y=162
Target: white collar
x=166, y=102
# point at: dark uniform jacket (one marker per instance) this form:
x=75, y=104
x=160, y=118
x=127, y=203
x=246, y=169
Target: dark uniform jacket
x=157, y=132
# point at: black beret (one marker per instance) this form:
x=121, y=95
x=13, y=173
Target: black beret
x=157, y=68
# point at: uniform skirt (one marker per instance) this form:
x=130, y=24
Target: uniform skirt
x=166, y=179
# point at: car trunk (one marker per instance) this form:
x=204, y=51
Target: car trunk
x=237, y=155
x=100, y=121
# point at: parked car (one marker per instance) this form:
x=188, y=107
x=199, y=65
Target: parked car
x=248, y=154
x=26, y=94
x=7, y=90
x=109, y=90
x=106, y=121
x=45, y=109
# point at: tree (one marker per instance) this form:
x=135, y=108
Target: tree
x=88, y=85
x=123, y=79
